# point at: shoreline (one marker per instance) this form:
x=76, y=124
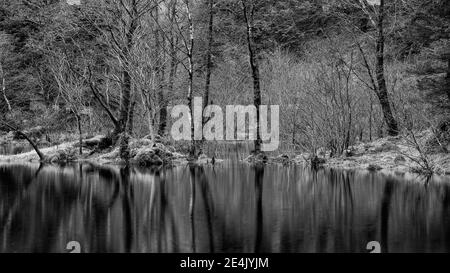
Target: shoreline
x=390, y=155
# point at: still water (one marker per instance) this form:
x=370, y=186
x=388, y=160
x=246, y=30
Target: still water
x=230, y=207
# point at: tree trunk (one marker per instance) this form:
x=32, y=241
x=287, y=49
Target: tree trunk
x=159, y=72
x=126, y=77
x=130, y=121
x=190, y=48
x=34, y=145
x=147, y=105
x=248, y=15
x=370, y=119
x=80, y=133
x=103, y=105
x=382, y=91
x=173, y=50
x=209, y=56
x=173, y=66
x=447, y=84
x=3, y=87
x=125, y=104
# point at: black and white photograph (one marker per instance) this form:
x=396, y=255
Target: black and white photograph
x=224, y=127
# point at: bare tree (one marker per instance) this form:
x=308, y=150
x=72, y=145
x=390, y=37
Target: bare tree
x=248, y=9
x=190, y=49
x=160, y=72
x=382, y=91
x=71, y=88
x=182, y=28
x=169, y=30
x=425, y=164
x=173, y=41
x=376, y=14
x=121, y=28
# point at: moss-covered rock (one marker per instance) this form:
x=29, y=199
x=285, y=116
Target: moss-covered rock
x=148, y=157
x=63, y=156
x=157, y=154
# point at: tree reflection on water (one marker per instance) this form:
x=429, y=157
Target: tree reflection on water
x=226, y=208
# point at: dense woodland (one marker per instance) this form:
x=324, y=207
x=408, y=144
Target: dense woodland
x=341, y=71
